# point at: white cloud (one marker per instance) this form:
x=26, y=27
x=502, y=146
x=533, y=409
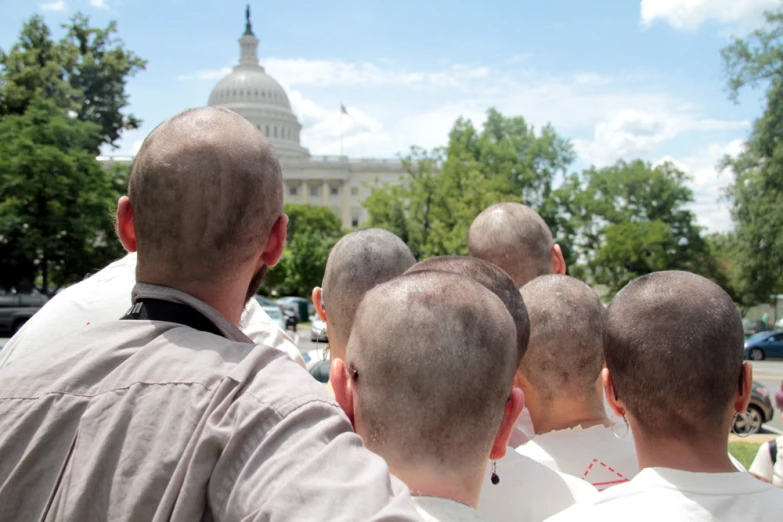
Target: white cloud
x=136, y=146
x=100, y=4
x=58, y=5
x=206, y=74
x=632, y=133
x=690, y=14
x=709, y=184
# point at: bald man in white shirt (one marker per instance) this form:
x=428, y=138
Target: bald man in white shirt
x=674, y=356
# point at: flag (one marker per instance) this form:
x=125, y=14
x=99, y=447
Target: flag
x=345, y=111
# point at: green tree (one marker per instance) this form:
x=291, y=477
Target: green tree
x=60, y=101
x=55, y=199
x=631, y=220
x=312, y=232
x=85, y=72
x=445, y=189
x=757, y=191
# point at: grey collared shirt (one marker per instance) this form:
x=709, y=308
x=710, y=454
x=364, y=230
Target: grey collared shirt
x=149, y=420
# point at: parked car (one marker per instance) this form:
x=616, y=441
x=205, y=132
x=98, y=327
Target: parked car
x=291, y=318
x=316, y=365
x=752, y=327
x=272, y=310
x=318, y=330
x=17, y=308
x=760, y=410
x=301, y=306
x=764, y=345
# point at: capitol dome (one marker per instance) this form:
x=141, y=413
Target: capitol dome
x=250, y=92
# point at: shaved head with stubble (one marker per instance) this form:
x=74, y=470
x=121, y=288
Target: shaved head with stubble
x=495, y=280
x=358, y=262
x=206, y=191
x=428, y=374
x=515, y=238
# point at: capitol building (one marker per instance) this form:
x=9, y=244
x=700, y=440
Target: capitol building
x=338, y=182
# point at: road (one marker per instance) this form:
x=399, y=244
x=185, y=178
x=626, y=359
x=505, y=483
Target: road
x=768, y=373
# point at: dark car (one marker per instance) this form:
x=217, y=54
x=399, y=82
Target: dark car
x=299, y=305
x=764, y=345
x=17, y=308
x=760, y=410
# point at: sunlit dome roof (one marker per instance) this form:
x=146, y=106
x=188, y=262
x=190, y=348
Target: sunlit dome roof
x=250, y=92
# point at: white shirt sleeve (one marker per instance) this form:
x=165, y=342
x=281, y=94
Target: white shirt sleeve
x=262, y=330
x=762, y=464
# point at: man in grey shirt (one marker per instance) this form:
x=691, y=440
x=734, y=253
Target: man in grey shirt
x=173, y=413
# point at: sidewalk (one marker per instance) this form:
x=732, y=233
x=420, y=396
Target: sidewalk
x=758, y=438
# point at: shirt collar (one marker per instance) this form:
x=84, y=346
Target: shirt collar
x=164, y=293
x=735, y=483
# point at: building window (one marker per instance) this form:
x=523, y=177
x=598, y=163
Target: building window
x=235, y=92
x=241, y=92
x=354, y=222
x=334, y=191
x=275, y=131
x=313, y=191
x=292, y=191
x=354, y=191
x=263, y=94
x=267, y=131
x=256, y=93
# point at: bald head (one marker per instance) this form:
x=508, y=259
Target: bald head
x=565, y=354
x=515, y=238
x=206, y=189
x=674, y=349
x=357, y=263
x=432, y=356
x=495, y=280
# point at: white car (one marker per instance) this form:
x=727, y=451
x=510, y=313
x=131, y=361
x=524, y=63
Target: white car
x=318, y=330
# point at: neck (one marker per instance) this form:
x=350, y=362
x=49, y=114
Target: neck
x=706, y=454
x=565, y=413
x=456, y=485
x=227, y=301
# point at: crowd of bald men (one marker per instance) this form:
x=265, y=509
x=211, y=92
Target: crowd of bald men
x=488, y=387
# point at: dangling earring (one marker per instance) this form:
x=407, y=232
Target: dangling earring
x=627, y=428
x=745, y=415
x=494, y=477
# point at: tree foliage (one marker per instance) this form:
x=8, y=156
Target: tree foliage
x=55, y=199
x=60, y=101
x=312, y=232
x=85, y=72
x=445, y=189
x=631, y=220
x=757, y=191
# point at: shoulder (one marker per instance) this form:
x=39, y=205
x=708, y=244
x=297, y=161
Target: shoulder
x=432, y=509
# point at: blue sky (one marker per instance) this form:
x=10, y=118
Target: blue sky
x=620, y=78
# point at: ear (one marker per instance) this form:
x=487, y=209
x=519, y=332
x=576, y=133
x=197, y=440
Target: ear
x=318, y=303
x=276, y=242
x=342, y=387
x=742, y=400
x=126, y=230
x=617, y=405
x=558, y=261
x=513, y=408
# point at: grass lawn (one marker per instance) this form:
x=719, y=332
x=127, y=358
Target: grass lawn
x=744, y=452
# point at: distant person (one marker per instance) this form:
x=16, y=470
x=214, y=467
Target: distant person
x=106, y=296
x=514, y=237
x=358, y=262
x=561, y=378
x=677, y=374
x=765, y=321
x=768, y=463
x=526, y=491
x=172, y=413
x=427, y=382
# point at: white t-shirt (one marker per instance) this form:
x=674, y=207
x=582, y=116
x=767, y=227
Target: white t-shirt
x=434, y=509
x=106, y=296
x=763, y=466
x=593, y=454
x=670, y=495
x=529, y=491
